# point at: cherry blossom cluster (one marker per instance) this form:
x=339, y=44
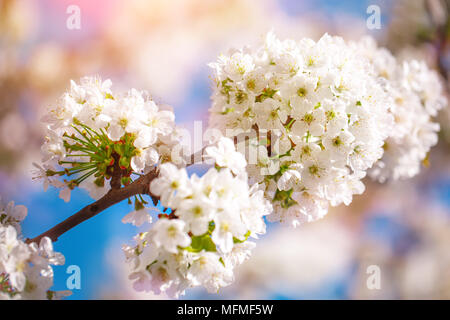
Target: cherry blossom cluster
x=25, y=269
x=303, y=122
x=206, y=233
x=93, y=131
x=323, y=113
x=417, y=95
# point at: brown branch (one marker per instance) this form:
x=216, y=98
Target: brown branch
x=116, y=177
x=115, y=195
x=139, y=186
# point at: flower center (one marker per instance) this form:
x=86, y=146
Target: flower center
x=197, y=211
x=301, y=92
x=174, y=185
x=172, y=231
x=308, y=118
x=314, y=170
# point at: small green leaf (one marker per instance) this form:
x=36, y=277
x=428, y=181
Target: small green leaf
x=285, y=198
x=203, y=242
x=246, y=235
x=267, y=93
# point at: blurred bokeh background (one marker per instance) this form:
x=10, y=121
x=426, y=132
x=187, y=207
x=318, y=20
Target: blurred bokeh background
x=164, y=47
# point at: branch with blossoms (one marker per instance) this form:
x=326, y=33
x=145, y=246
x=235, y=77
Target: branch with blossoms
x=300, y=125
x=115, y=195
